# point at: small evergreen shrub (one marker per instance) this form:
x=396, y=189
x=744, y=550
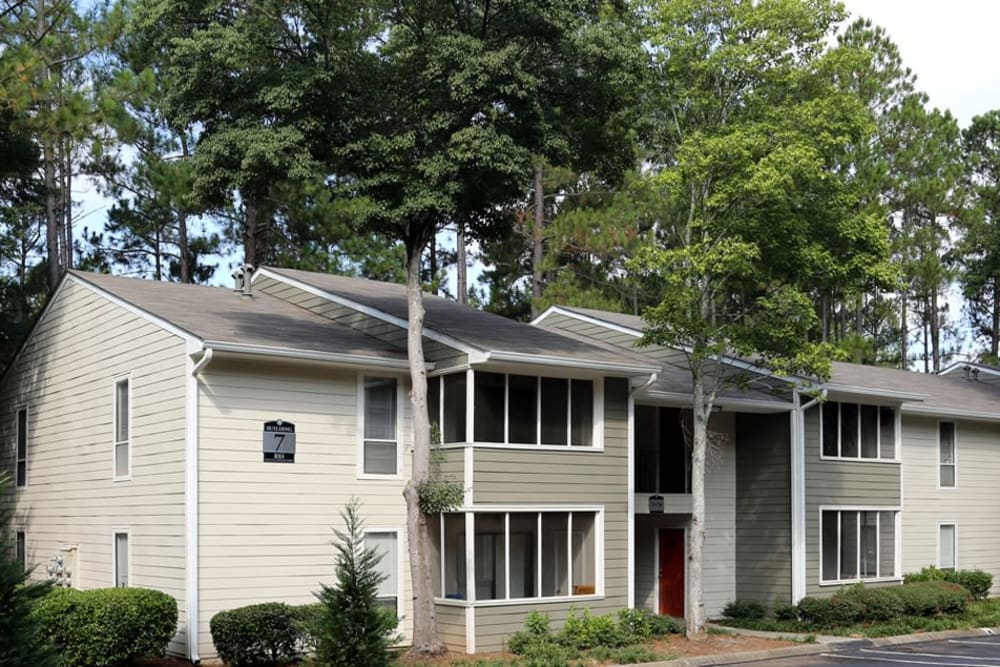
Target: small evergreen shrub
x=634, y=625
x=356, y=631
x=786, y=612
x=874, y=604
x=930, y=598
x=828, y=612
x=588, y=631
x=545, y=654
x=748, y=610
x=258, y=635
x=308, y=620
x=107, y=627
x=661, y=626
x=977, y=582
x=536, y=630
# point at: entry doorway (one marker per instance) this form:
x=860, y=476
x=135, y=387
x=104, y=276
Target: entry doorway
x=671, y=572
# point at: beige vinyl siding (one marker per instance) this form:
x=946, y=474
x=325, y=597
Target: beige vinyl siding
x=763, y=508
x=380, y=329
x=266, y=528
x=971, y=505
x=840, y=483
x=451, y=626
x=65, y=377
x=514, y=477
x=719, y=583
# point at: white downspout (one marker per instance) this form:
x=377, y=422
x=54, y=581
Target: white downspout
x=798, y=499
x=191, y=526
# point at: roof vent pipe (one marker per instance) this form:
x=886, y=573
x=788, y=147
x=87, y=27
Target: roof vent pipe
x=975, y=374
x=237, y=275
x=247, y=282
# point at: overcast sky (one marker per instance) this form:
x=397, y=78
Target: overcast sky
x=953, y=46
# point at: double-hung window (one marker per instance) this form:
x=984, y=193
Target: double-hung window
x=380, y=455
x=21, y=474
x=121, y=555
x=386, y=546
x=946, y=454
x=123, y=427
x=857, y=544
x=858, y=432
x=947, y=546
x=520, y=555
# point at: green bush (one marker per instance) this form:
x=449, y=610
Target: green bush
x=829, y=612
x=929, y=598
x=786, y=612
x=308, y=620
x=107, y=627
x=874, y=604
x=635, y=625
x=749, y=610
x=536, y=630
x=545, y=654
x=977, y=582
x=258, y=635
x=588, y=631
x=661, y=626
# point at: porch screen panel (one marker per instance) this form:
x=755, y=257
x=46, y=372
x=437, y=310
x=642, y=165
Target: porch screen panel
x=849, y=430
x=490, y=396
x=491, y=565
x=831, y=421
x=887, y=432
x=869, y=544
x=434, y=401
x=582, y=413
x=831, y=520
x=555, y=409
x=454, y=557
x=848, y=545
x=887, y=544
x=869, y=431
x=555, y=574
x=453, y=428
x=584, y=556
x=523, y=555
x=522, y=409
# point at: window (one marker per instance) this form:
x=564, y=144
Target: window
x=515, y=409
x=380, y=439
x=385, y=544
x=122, y=427
x=947, y=545
x=21, y=550
x=857, y=432
x=121, y=560
x=857, y=545
x=946, y=454
x=22, y=448
x=519, y=555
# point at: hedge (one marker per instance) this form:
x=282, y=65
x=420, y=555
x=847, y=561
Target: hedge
x=266, y=634
x=107, y=627
x=977, y=582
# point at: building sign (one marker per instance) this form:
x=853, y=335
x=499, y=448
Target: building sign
x=656, y=504
x=279, y=442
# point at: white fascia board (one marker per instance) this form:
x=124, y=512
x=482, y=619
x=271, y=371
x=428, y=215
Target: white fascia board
x=135, y=310
x=371, y=312
x=874, y=392
x=570, y=362
x=310, y=355
x=749, y=404
x=930, y=410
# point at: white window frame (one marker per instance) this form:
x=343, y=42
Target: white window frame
x=115, y=443
x=897, y=530
x=897, y=435
x=597, y=425
x=115, y=532
x=399, y=532
x=954, y=552
x=27, y=444
x=361, y=474
x=954, y=455
x=470, y=554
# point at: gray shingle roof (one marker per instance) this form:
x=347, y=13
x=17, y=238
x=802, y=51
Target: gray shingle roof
x=943, y=392
x=477, y=329
x=219, y=314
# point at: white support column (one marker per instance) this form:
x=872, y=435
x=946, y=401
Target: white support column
x=798, y=498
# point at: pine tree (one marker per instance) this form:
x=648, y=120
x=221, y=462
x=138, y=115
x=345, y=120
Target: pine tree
x=21, y=644
x=357, y=631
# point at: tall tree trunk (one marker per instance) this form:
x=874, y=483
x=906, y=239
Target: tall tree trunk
x=825, y=311
x=250, y=214
x=425, y=639
x=995, y=333
x=701, y=410
x=157, y=256
x=183, y=255
x=858, y=329
x=925, y=325
x=462, y=268
x=903, y=333
x=538, y=239
x=49, y=177
x=67, y=202
x=935, y=318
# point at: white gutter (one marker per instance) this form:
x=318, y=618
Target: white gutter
x=569, y=362
x=874, y=392
x=635, y=390
x=310, y=355
x=798, y=495
x=191, y=517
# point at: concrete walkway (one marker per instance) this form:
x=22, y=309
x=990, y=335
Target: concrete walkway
x=820, y=644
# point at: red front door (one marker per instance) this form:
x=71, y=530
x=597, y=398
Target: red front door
x=672, y=572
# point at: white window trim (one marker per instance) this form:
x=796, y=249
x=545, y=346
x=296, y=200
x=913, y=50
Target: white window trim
x=115, y=532
x=27, y=443
x=878, y=551
x=954, y=526
x=954, y=454
x=878, y=434
x=399, y=532
x=115, y=381
x=597, y=414
x=470, y=555
x=361, y=474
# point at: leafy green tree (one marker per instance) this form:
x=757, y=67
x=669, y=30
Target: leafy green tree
x=355, y=630
x=21, y=641
x=751, y=214
x=980, y=243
